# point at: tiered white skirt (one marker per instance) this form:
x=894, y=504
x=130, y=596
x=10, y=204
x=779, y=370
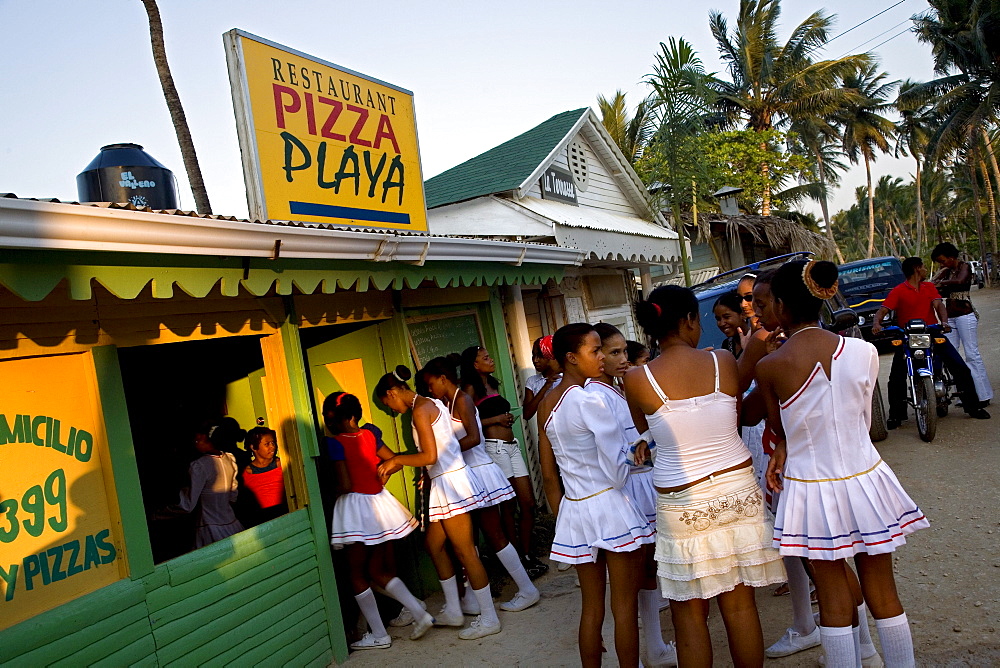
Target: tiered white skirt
x=607, y=520
x=714, y=536
x=370, y=519
x=833, y=519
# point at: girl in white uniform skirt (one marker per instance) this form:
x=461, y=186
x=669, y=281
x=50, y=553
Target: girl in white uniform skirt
x=454, y=493
x=367, y=516
x=713, y=531
x=638, y=487
x=838, y=499
x=442, y=383
x=598, y=528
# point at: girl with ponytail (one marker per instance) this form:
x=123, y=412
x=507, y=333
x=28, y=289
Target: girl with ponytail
x=838, y=498
x=366, y=517
x=442, y=383
x=713, y=531
x=454, y=493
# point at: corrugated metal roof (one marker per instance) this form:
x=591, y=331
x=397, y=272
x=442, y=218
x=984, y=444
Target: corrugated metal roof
x=502, y=168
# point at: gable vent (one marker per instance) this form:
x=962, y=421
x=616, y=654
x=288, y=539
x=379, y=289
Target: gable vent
x=578, y=165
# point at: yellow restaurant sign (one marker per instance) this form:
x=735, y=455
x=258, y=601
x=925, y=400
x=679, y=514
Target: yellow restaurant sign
x=322, y=143
x=59, y=538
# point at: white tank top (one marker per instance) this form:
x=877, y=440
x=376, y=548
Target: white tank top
x=476, y=455
x=695, y=437
x=449, y=452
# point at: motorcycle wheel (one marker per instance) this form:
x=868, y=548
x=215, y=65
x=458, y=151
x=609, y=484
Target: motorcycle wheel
x=879, y=430
x=924, y=406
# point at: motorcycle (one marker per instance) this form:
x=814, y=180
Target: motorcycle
x=930, y=388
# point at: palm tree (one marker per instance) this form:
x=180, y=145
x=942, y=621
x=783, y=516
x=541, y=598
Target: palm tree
x=865, y=129
x=820, y=139
x=188, y=153
x=913, y=132
x=679, y=106
x=772, y=82
x=631, y=134
x=962, y=35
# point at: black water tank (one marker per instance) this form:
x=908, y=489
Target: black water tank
x=125, y=173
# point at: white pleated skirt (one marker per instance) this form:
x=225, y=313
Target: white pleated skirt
x=714, y=536
x=833, y=519
x=607, y=520
x=639, y=487
x=454, y=493
x=496, y=487
x=370, y=519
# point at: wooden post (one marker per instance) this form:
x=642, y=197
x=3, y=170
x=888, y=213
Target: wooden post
x=511, y=311
x=292, y=418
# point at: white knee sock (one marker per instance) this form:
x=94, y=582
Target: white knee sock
x=649, y=612
x=450, y=588
x=897, y=643
x=856, y=634
x=798, y=589
x=369, y=608
x=399, y=591
x=838, y=645
x=508, y=557
x=865, y=636
x=487, y=613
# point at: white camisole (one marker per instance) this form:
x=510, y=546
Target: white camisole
x=695, y=437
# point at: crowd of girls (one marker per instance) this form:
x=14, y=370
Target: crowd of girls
x=656, y=495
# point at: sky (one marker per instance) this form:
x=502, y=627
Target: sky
x=77, y=75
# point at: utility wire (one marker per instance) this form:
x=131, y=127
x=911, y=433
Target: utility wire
x=855, y=49
x=866, y=21
x=902, y=32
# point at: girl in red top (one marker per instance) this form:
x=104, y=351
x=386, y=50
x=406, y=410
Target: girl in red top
x=263, y=477
x=366, y=516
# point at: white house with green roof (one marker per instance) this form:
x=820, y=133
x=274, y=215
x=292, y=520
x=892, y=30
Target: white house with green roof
x=563, y=182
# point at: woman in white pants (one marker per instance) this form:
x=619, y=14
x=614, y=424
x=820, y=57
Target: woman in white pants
x=954, y=281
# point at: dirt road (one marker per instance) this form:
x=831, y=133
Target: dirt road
x=948, y=576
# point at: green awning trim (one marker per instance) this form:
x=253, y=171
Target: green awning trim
x=33, y=274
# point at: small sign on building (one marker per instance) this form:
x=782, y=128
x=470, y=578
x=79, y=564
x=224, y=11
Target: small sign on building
x=558, y=184
x=322, y=143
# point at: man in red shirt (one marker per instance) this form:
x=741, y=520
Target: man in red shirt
x=913, y=299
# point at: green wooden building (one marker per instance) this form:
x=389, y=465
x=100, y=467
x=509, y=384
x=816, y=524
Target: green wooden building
x=119, y=328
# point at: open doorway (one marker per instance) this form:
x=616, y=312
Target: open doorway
x=170, y=390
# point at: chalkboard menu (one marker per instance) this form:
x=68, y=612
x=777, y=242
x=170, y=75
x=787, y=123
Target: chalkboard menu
x=439, y=335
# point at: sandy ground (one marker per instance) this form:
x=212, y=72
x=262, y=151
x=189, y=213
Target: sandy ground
x=948, y=576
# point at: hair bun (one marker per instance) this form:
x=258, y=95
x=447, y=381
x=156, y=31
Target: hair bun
x=825, y=273
x=820, y=278
x=402, y=373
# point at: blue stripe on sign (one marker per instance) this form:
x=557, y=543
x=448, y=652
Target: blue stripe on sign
x=330, y=211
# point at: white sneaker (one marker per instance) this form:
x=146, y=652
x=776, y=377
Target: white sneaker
x=405, y=617
x=874, y=661
x=521, y=601
x=369, y=641
x=666, y=659
x=562, y=566
x=792, y=642
x=478, y=630
x=444, y=619
x=421, y=627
